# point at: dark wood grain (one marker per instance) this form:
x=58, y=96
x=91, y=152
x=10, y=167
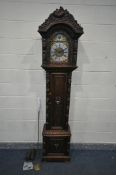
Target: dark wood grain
x=56, y=131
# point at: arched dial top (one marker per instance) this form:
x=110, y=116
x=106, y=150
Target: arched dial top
x=59, y=49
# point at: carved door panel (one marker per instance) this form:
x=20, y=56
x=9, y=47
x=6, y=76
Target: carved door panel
x=57, y=146
x=58, y=89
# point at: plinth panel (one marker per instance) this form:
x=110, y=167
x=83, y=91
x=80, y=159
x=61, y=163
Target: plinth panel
x=56, y=145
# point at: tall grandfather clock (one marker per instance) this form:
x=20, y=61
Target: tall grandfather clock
x=60, y=33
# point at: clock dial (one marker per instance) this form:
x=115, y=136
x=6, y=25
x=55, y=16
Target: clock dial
x=59, y=49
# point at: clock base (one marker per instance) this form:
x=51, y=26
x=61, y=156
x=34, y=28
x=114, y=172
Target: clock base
x=56, y=144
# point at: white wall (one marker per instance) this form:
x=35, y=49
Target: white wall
x=22, y=81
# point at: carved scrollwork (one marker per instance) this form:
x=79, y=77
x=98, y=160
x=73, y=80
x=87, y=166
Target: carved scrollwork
x=68, y=95
x=59, y=12
x=47, y=96
x=61, y=16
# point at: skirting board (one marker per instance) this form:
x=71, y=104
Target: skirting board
x=78, y=146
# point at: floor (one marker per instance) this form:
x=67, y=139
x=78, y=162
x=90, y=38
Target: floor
x=83, y=162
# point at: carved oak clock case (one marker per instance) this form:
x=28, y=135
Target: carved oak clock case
x=60, y=33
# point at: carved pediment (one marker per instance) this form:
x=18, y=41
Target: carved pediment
x=61, y=16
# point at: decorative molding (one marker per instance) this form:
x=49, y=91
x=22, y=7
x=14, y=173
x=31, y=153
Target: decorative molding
x=56, y=133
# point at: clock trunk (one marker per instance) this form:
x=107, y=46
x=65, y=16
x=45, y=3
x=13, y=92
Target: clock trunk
x=57, y=95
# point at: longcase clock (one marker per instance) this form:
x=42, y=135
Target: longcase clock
x=60, y=33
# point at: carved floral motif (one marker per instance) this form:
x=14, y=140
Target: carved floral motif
x=61, y=16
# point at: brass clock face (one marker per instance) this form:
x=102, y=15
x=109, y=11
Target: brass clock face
x=59, y=49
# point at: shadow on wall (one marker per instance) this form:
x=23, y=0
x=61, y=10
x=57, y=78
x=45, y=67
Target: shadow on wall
x=35, y=83
x=77, y=88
